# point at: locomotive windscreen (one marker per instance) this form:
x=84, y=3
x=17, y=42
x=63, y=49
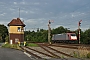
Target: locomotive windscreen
x=73, y=34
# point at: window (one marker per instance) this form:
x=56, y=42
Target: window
x=16, y=40
x=19, y=29
x=73, y=34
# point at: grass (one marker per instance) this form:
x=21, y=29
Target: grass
x=31, y=44
x=82, y=53
x=14, y=46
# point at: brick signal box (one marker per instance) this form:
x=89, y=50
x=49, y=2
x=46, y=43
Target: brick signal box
x=16, y=31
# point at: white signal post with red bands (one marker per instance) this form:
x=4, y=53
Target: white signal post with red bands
x=49, y=31
x=79, y=29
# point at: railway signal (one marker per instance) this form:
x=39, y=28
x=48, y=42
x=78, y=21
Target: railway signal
x=79, y=24
x=49, y=31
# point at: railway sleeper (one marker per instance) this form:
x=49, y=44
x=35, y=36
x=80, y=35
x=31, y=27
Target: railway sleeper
x=36, y=56
x=58, y=51
x=53, y=54
x=40, y=52
x=61, y=52
x=71, y=47
x=43, y=56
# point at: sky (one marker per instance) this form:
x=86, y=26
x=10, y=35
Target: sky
x=37, y=13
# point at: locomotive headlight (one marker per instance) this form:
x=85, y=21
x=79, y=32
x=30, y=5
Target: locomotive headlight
x=73, y=37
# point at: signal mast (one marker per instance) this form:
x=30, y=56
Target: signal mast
x=49, y=31
x=79, y=24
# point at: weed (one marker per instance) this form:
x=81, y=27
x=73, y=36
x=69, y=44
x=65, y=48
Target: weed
x=15, y=46
x=31, y=45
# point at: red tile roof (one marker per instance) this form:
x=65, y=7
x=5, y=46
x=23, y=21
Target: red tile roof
x=16, y=22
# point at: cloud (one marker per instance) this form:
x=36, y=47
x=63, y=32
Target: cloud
x=15, y=3
x=3, y=14
x=23, y=2
x=31, y=21
x=38, y=12
x=36, y=3
x=76, y=14
x=12, y=9
x=4, y=23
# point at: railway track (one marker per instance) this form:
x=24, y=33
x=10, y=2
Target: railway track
x=72, y=46
x=75, y=45
x=40, y=52
x=54, y=52
x=30, y=53
x=61, y=45
x=51, y=53
x=36, y=54
x=48, y=51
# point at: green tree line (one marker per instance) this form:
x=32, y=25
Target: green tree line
x=41, y=35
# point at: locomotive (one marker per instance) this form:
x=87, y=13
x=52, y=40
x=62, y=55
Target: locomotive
x=64, y=38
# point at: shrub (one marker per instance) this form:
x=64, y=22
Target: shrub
x=88, y=55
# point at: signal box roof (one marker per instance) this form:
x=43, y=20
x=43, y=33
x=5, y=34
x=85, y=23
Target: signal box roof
x=16, y=22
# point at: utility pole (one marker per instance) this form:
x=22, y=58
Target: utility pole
x=49, y=32
x=79, y=29
x=19, y=12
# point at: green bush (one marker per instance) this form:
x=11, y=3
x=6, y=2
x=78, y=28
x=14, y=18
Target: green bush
x=88, y=55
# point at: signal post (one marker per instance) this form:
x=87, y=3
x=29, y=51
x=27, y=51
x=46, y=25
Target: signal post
x=79, y=29
x=49, y=32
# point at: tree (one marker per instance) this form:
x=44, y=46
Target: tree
x=59, y=30
x=87, y=36
x=3, y=32
x=7, y=38
x=81, y=36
